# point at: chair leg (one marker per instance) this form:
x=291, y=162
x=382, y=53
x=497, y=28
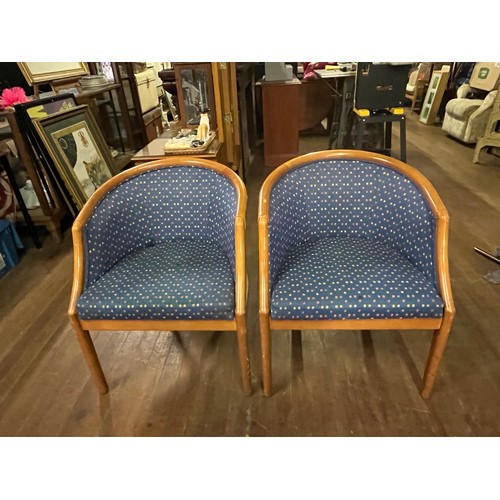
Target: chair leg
x=246, y=377
x=91, y=358
x=265, y=345
x=438, y=346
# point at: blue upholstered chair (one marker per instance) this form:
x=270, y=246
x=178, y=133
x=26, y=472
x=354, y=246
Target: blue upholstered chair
x=161, y=247
x=351, y=240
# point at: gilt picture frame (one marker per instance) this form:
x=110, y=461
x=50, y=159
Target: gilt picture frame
x=78, y=150
x=41, y=72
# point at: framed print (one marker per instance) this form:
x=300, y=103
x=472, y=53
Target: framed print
x=78, y=150
x=434, y=95
x=40, y=72
x=26, y=113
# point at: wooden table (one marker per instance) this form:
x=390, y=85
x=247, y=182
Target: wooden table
x=154, y=150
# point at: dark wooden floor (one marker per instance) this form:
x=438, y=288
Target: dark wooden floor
x=326, y=383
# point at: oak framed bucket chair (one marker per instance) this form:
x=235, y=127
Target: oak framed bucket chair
x=352, y=240
x=161, y=246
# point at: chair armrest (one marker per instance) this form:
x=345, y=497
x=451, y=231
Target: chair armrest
x=486, y=104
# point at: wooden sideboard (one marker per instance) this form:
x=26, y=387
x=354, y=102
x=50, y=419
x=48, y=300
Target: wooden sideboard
x=280, y=115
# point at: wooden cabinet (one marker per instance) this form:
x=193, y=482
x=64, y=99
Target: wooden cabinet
x=141, y=128
x=280, y=110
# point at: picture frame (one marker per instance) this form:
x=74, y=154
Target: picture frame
x=26, y=113
x=41, y=72
x=434, y=95
x=78, y=150
x=29, y=111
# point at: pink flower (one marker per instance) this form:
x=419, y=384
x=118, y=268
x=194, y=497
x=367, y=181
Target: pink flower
x=12, y=96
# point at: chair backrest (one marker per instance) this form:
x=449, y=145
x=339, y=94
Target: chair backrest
x=351, y=197
x=154, y=203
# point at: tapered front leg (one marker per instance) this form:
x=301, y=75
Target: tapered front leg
x=265, y=345
x=90, y=355
x=439, y=341
x=246, y=376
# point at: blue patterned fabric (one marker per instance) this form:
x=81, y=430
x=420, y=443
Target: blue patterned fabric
x=351, y=198
x=178, y=279
x=351, y=278
x=174, y=203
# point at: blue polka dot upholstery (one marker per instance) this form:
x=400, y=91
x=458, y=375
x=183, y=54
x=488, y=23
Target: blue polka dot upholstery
x=351, y=239
x=351, y=278
x=161, y=246
x=178, y=279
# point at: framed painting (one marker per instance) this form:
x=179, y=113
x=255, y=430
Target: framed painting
x=41, y=72
x=26, y=113
x=78, y=150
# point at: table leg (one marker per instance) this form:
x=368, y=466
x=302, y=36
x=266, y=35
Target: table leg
x=347, y=98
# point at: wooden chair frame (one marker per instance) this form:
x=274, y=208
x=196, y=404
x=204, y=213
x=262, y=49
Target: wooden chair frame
x=237, y=324
x=440, y=326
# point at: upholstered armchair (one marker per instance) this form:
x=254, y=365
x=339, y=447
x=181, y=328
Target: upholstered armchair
x=465, y=119
x=161, y=247
x=350, y=240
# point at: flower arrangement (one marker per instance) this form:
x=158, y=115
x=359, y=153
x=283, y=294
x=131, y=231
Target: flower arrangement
x=14, y=95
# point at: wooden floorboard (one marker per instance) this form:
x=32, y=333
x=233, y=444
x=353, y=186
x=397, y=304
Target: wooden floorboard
x=326, y=383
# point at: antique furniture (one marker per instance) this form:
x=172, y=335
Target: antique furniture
x=195, y=93
x=280, y=115
x=125, y=74
x=245, y=76
x=52, y=209
x=351, y=240
x=416, y=87
x=466, y=119
x=161, y=246
x=154, y=150
x=167, y=76
x=491, y=137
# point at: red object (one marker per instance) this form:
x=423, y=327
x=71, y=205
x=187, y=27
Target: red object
x=311, y=66
x=12, y=96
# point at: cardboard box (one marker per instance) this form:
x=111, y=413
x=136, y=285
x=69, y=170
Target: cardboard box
x=485, y=76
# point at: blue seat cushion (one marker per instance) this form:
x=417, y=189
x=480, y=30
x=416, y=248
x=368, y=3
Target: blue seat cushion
x=351, y=278
x=178, y=279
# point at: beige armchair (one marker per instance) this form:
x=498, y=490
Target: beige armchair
x=465, y=119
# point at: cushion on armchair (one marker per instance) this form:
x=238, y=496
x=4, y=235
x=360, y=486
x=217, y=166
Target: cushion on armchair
x=346, y=278
x=178, y=279
x=462, y=109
